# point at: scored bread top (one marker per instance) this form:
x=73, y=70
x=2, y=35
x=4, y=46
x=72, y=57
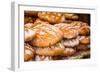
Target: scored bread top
x=46, y=35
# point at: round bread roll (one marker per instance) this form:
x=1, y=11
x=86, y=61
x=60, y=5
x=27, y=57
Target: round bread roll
x=28, y=56
x=39, y=21
x=78, y=23
x=68, y=52
x=71, y=16
x=83, y=28
x=71, y=42
x=51, y=17
x=36, y=22
x=28, y=52
x=84, y=40
x=54, y=50
x=68, y=30
x=29, y=25
x=29, y=34
x=70, y=33
x=46, y=35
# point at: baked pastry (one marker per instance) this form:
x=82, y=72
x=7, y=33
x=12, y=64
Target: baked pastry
x=79, y=23
x=68, y=52
x=36, y=22
x=84, y=40
x=71, y=16
x=55, y=36
x=70, y=42
x=51, y=17
x=68, y=30
x=83, y=28
x=29, y=34
x=29, y=53
x=46, y=35
x=54, y=50
x=39, y=21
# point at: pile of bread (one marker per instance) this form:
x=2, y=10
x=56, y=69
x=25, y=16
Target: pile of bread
x=55, y=36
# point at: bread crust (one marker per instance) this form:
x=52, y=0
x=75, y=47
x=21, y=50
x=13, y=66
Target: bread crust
x=46, y=35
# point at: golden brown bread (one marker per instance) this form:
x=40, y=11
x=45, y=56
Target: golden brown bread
x=83, y=28
x=54, y=50
x=84, y=40
x=68, y=52
x=55, y=36
x=69, y=31
x=46, y=35
x=29, y=34
x=29, y=53
x=70, y=42
x=71, y=16
x=36, y=22
x=39, y=21
x=51, y=17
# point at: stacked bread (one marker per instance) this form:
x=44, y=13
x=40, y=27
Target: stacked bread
x=55, y=36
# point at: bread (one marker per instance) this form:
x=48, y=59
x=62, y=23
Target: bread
x=29, y=34
x=29, y=53
x=39, y=21
x=71, y=16
x=83, y=28
x=36, y=22
x=51, y=51
x=51, y=17
x=69, y=31
x=84, y=40
x=55, y=50
x=46, y=35
x=68, y=52
x=71, y=42
x=56, y=36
